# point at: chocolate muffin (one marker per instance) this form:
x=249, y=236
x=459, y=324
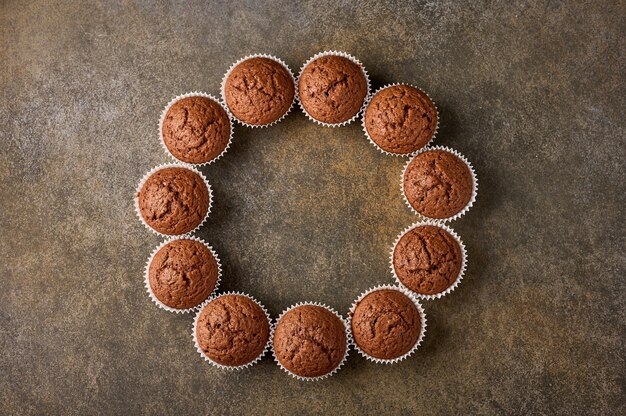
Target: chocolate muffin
x=259, y=91
x=438, y=184
x=232, y=330
x=196, y=129
x=401, y=119
x=427, y=259
x=386, y=324
x=310, y=341
x=183, y=274
x=173, y=200
x=332, y=89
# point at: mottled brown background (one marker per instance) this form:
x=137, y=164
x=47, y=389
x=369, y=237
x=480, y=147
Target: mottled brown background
x=532, y=93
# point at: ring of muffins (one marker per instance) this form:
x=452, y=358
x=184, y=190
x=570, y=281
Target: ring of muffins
x=310, y=341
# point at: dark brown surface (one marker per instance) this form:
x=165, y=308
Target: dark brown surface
x=401, y=119
x=310, y=341
x=173, y=200
x=438, y=184
x=332, y=89
x=232, y=330
x=196, y=129
x=259, y=91
x=183, y=273
x=427, y=259
x=386, y=324
x=531, y=92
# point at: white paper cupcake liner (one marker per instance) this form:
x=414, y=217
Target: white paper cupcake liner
x=147, y=275
x=348, y=341
x=344, y=55
x=258, y=55
x=367, y=135
x=172, y=165
x=187, y=95
x=420, y=310
x=463, y=258
x=231, y=367
x=474, y=183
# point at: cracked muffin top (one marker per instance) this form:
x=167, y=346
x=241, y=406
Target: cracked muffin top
x=401, y=119
x=259, y=91
x=427, y=259
x=196, y=129
x=332, y=89
x=183, y=273
x=438, y=184
x=232, y=330
x=386, y=324
x=310, y=341
x=173, y=200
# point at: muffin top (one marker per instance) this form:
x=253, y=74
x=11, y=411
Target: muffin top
x=183, y=273
x=259, y=91
x=196, y=129
x=310, y=341
x=232, y=330
x=173, y=200
x=386, y=324
x=332, y=89
x=427, y=259
x=401, y=119
x=438, y=184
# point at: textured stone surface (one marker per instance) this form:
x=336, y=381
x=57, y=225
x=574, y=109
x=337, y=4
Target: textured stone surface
x=532, y=94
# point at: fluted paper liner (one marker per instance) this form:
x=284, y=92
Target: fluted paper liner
x=474, y=183
x=258, y=55
x=420, y=310
x=147, y=274
x=164, y=166
x=348, y=341
x=187, y=95
x=456, y=238
x=231, y=367
x=344, y=55
x=367, y=135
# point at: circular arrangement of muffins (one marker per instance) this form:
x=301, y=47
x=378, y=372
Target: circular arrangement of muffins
x=310, y=341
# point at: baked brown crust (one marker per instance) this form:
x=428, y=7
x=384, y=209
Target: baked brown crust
x=232, y=330
x=427, y=259
x=401, y=119
x=310, y=341
x=386, y=324
x=332, y=89
x=196, y=129
x=183, y=273
x=173, y=200
x=259, y=91
x=438, y=184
